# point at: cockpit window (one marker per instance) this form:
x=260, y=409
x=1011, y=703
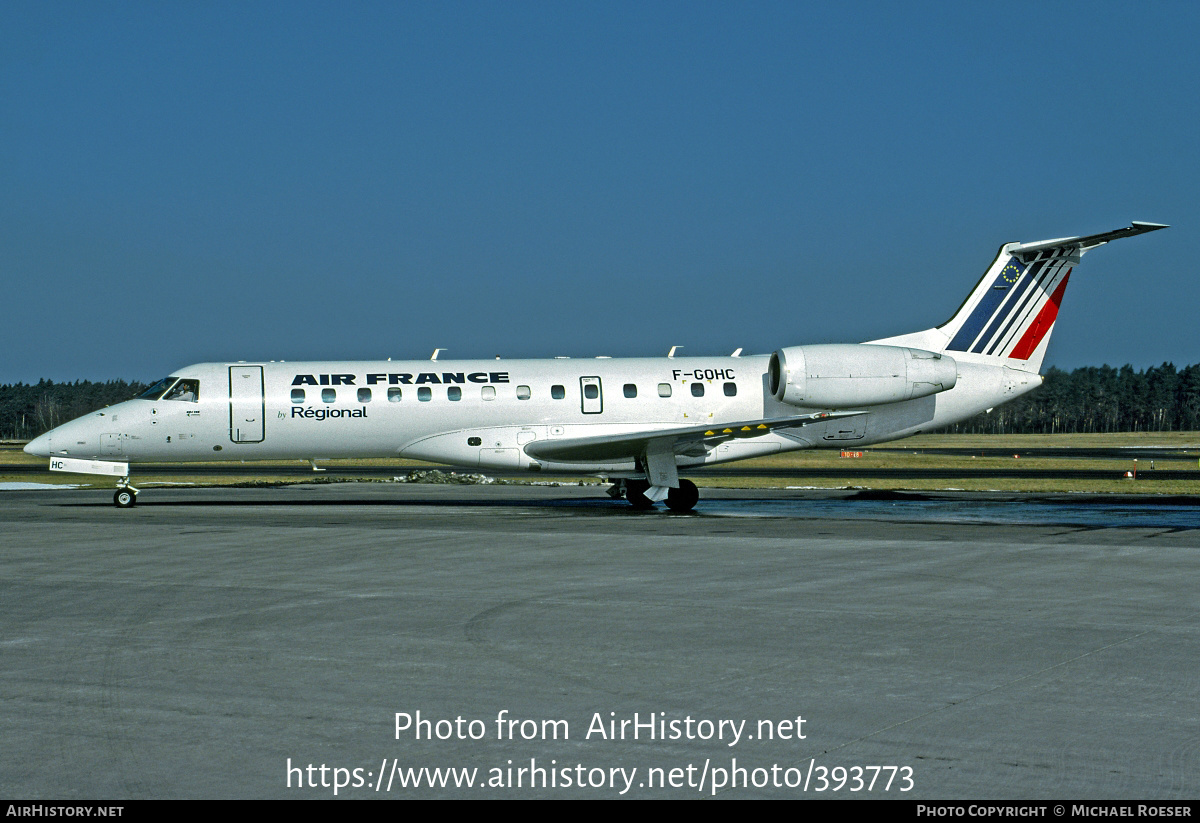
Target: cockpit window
x=158, y=389
x=186, y=390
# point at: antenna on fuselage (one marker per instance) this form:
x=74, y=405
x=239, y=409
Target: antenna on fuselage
x=436, y=352
x=671, y=353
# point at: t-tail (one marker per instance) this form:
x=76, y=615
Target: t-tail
x=1009, y=316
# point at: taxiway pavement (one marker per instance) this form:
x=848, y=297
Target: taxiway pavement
x=201, y=643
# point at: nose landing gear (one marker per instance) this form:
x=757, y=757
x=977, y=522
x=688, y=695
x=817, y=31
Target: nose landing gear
x=126, y=495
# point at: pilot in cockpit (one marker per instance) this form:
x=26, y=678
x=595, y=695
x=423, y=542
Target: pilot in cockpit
x=186, y=390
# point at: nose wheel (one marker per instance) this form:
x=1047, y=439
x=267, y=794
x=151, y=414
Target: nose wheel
x=126, y=495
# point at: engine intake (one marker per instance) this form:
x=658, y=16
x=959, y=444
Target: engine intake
x=847, y=374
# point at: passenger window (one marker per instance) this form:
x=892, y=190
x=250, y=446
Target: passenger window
x=731, y=389
x=523, y=393
x=424, y=394
x=364, y=395
x=454, y=393
x=591, y=391
x=474, y=441
x=558, y=392
x=329, y=395
x=630, y=390
x=394, y=394
x=488, y=392
x=664, y=389
x=185, y=390
x=697, y=390
x=297, y=395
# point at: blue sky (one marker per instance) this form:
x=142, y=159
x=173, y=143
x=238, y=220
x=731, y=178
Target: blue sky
x=196, y=181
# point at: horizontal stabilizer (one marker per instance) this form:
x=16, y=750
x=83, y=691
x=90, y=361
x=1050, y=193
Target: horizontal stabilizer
x=1085, y=242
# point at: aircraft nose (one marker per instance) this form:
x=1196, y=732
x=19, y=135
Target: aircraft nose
x=39, y=445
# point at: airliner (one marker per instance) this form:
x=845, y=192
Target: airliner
x=638, y=422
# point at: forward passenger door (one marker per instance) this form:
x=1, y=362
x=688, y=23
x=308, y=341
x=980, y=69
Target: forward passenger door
x=246, y=409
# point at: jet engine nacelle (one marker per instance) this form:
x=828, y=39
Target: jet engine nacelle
x=845, y=375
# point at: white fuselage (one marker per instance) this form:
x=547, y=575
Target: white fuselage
x=484, y=413
x=638, y=419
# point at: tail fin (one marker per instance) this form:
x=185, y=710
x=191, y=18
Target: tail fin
x=1011, y=312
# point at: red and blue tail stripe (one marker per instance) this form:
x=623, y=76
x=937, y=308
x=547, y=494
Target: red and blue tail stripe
x=1016, y=305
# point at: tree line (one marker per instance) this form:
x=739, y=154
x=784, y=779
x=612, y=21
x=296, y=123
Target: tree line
x=1087, y=399
x=29, y=409
x=1099, y=399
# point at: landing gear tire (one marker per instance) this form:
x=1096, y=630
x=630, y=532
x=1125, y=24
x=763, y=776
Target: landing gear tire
x=684, y=498
x=635, y=493
x=124, y=499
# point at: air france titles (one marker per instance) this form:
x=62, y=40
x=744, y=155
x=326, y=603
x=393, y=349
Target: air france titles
x=377, y=378
x=402, y=379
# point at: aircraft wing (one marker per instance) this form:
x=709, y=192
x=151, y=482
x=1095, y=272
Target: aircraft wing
x=694, y=440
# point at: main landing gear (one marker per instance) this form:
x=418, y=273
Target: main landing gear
x=126, y=495
x=682, y=499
